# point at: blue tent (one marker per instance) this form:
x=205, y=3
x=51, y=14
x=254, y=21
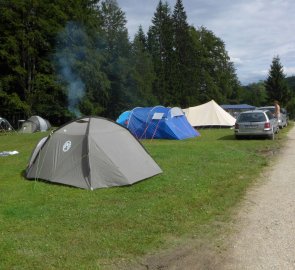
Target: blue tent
x=157, y=123
x=123, y=118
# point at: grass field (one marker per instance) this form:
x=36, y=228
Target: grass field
x=48, y=226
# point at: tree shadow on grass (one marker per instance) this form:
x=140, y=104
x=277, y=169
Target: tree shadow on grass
x=228, y=138
x=246, y=138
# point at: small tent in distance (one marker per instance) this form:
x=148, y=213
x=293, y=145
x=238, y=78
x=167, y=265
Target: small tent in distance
x=90, y=153
x=33, y=124
x=157, y=123
x=209, y=114
x=5, y=125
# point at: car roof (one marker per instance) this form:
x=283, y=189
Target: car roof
x=254, y=111
x=265, y=107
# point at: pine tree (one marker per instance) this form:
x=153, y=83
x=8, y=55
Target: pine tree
x=117, y=52
x=183, y=85
x=27, y=30
x=160, y=46
x=143, y=74
x=78, y=63
x=276, y=85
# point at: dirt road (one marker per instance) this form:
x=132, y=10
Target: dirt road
x=265, y=237
x=263, y=231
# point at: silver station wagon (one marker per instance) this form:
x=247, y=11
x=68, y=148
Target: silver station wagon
x=256, y=123
x=282, y=120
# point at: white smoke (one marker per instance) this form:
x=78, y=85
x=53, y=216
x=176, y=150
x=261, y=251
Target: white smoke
x=69, y=53
x=75, y=86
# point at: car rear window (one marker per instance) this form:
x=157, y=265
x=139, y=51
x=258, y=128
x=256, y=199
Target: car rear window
x=269, y=115
x=252, y=117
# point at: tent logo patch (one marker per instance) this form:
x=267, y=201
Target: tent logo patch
x=67, y=145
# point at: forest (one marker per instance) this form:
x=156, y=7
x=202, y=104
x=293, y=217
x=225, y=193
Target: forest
x=64, y=59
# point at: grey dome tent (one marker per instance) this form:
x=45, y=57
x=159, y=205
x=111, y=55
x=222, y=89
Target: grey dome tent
x=5, y=125
x=33, y=124
x=90, y=153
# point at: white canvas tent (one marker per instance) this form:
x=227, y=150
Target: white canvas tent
x=209, y=114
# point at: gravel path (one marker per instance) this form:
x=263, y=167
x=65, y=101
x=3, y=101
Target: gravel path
x=265, y=236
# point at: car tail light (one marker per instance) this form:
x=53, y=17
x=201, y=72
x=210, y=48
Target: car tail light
x=236, y=126
x=267, y=125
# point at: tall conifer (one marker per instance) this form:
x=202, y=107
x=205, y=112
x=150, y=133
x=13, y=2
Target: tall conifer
x=275, y=84
x=117, y=52
x=143, y=74
x=183, y=85
x=160, y=45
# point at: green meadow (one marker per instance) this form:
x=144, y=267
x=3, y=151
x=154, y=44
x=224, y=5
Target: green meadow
x=50, y=226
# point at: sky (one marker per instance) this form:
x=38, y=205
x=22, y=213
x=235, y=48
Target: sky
x=254, y=31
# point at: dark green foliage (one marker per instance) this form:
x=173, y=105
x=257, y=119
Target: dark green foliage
x=28, y=30
x=183, y=79
x=254, y=94
x=160, y=46
x=61, y=59
x=216, y=74
x=276, y=85
x=116, y=64
x=291, y=103
x=78, y=64
x=291, y=83
x=11, y=103
x=142, y=73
